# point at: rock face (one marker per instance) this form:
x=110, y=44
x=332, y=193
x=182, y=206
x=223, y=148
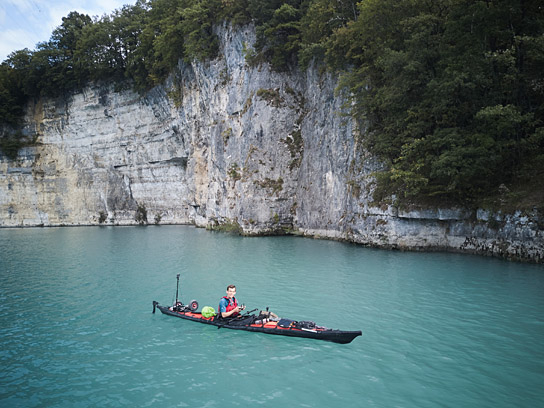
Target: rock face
x=225, y=143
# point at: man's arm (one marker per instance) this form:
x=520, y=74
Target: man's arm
x=227, y=314
x=223, y=307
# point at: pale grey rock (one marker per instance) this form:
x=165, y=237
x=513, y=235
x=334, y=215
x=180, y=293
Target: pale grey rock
x=222, y=142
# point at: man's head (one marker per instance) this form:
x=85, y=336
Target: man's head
x=231, y=291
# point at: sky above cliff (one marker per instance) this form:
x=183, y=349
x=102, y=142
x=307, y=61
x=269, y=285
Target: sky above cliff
x=24, y=23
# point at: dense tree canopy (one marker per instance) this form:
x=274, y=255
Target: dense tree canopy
x=451, y=91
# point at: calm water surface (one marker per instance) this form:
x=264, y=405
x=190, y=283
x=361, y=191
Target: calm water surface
x=439, y=330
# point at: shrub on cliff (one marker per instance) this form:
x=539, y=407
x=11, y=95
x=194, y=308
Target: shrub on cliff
x=141, y=215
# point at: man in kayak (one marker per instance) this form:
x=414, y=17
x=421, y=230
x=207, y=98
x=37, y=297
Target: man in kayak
x=228, y=306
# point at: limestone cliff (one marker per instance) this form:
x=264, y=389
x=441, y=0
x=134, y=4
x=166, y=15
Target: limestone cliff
x=225, y=143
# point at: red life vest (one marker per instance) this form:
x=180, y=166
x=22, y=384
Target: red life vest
x=232, y=305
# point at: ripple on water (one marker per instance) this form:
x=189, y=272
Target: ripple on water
x=76, y=327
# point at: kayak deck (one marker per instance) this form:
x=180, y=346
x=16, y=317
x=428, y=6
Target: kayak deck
x=270, y=327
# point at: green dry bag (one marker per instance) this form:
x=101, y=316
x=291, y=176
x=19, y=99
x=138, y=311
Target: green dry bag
x=208, y=311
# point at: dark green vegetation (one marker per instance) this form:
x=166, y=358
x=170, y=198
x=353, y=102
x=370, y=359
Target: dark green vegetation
x=141, y=215
x=450, y=91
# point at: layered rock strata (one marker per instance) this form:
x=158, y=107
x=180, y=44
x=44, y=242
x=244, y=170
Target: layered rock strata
x=223, y=143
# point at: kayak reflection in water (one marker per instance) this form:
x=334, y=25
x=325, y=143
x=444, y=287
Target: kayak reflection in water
x=228, y=306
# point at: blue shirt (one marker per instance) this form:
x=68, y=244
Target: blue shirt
x=223, y=303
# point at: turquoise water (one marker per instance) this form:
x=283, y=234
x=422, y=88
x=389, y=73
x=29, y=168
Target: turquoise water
x=439, y=330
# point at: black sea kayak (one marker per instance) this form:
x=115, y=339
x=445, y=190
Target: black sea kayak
x=264, y=322
x=253, y=323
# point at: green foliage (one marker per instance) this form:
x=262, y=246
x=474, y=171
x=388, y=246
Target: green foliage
x=234, y=10
x=11, y=96
x=158, y=218
x=451, y=91
x=275, y=186
x=200, y=41
x=10, y=146
x=102, y=217
x=321, y=20
x=271, y=96
x=234, y=172
x=278, y=39
x=227, y=225
x=227, y=133
x=141, y=215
